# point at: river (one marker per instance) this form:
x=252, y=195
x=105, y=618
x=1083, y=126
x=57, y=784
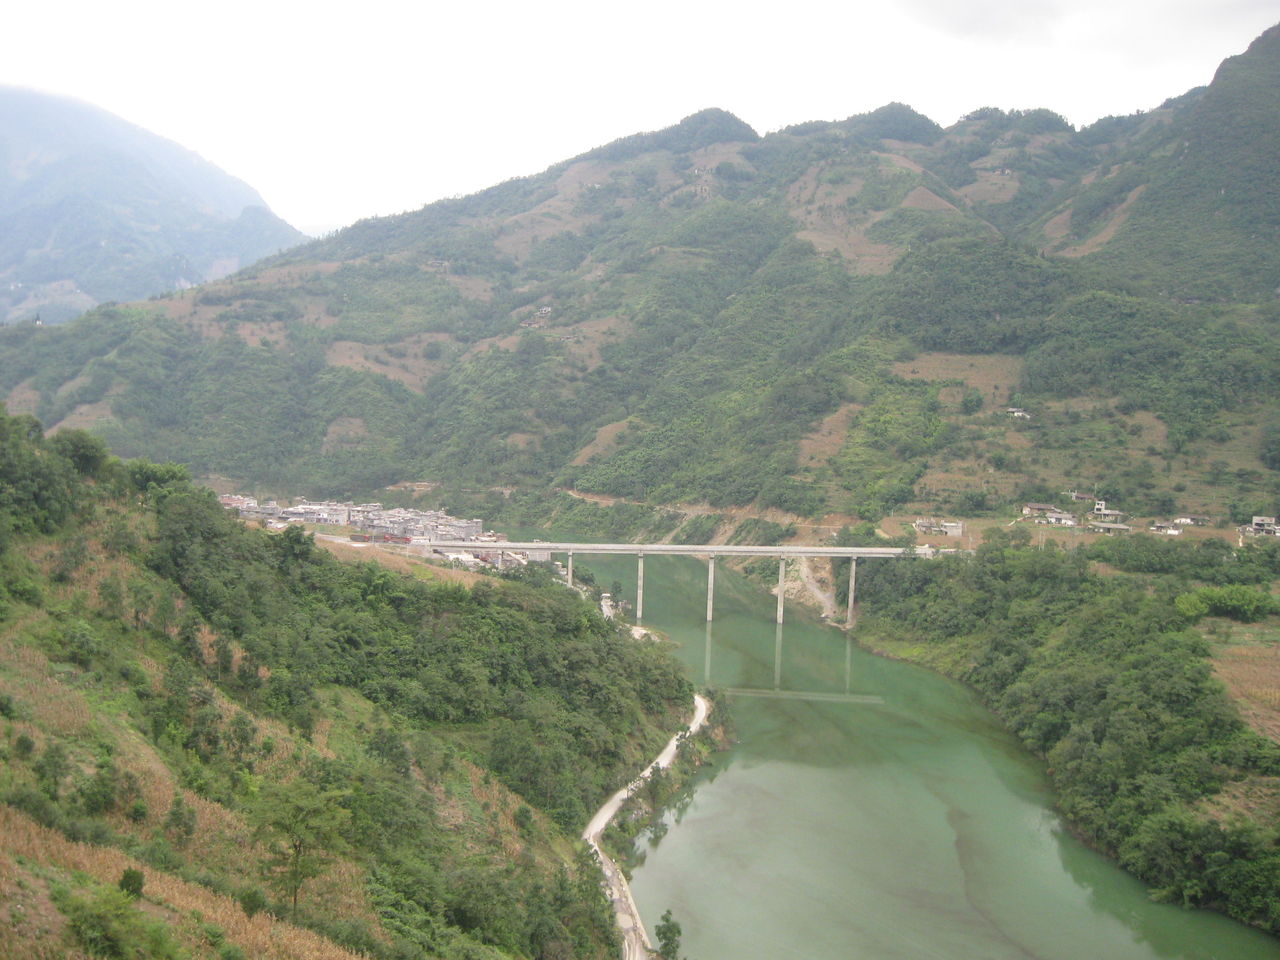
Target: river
x=872, y=810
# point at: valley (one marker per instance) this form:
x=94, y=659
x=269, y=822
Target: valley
x=1051, y=351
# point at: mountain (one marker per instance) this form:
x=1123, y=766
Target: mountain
x=827, y=321
x=94, y=209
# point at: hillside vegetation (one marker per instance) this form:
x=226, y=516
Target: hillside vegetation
x=222, y=743
x=675, y=317
x=1110, y=680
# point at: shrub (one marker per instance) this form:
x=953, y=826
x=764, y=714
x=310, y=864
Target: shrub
x=131, y=882
x=252, y=900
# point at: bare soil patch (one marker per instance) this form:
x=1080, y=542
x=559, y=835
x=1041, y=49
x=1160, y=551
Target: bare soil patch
x=24, y=398
x=829, y=437
x=992, y=186
x=922, y=198
x=518, y=235
x=1058, y=226
x=832, y=227
x=297, y=273
x=506, y=342
x=604, y=442
x=589, y=337
x=994, y=375
x=403, y=362
x=1103, y=236
x=273, y=333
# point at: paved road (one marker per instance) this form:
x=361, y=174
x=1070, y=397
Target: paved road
x=635, y=941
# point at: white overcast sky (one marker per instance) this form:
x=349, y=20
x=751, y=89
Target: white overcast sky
x=335, y=111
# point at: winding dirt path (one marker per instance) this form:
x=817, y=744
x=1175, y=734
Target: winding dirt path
x=635, y=941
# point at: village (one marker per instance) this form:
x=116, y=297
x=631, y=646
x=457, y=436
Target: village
x=372, y=523
x=1098, y=518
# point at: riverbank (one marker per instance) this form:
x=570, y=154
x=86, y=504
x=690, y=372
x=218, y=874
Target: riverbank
x=636, y=945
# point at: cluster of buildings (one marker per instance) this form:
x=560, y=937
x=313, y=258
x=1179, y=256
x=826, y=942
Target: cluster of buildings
x=1261, y=527
x=931, y=527
x=1103, y=519
x=373, y=523
x=370, y=518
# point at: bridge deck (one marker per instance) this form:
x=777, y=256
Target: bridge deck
x=684, y=549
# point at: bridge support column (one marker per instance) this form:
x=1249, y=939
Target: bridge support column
x=782, y=582
x=640, y=588
x=850, y=620
x=711, y=585
x=569, y=571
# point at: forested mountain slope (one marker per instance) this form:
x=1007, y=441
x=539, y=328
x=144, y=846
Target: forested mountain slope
x=288, y=756
x=94, y=209
x=827, y=319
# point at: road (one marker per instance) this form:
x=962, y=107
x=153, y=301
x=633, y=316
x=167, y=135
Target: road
x=635, y=941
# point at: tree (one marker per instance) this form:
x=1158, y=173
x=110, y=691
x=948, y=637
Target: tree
x=668, y=932
x=303, y=825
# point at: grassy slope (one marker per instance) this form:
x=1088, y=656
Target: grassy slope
x=93, y=702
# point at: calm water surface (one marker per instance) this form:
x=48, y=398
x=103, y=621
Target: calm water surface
x=874, y=810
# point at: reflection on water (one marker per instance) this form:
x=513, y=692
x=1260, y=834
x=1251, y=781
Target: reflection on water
x=874, y=810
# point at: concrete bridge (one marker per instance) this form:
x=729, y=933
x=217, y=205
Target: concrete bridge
x=710, y=551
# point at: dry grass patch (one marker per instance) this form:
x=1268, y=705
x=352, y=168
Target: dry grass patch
x=27, y=675
x=1256, y=798
x=411, y=566
x=259, y=936
x=1251, y=673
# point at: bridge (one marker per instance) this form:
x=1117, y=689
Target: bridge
x=708, y=550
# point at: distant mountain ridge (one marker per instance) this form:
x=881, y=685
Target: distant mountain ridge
x=93, y=208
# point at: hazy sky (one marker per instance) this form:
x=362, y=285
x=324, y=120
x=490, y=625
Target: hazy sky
x=337, y=111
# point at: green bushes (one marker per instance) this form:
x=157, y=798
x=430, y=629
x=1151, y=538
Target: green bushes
x=107, y=924
x=1236, y=602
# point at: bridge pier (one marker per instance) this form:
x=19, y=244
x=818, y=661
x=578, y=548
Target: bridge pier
x=569, y=571
x=640, y=588
x=782, y=582
x=711, y=585
x=850, y=620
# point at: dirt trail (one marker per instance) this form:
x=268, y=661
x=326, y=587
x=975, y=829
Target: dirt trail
x=635, y=940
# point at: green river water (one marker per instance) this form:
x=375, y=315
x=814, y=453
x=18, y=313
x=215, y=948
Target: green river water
x=897, y=821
